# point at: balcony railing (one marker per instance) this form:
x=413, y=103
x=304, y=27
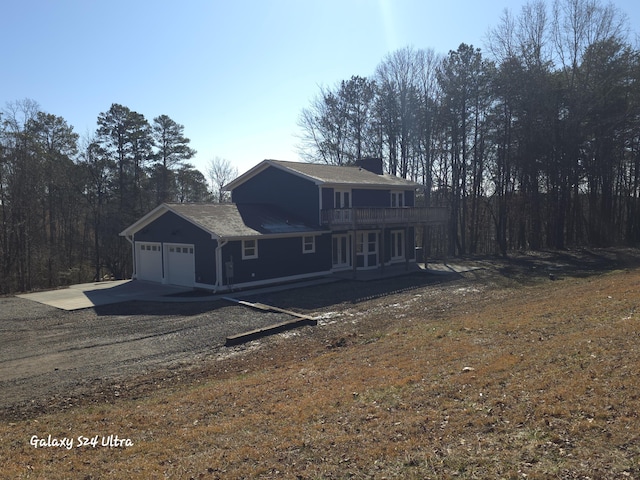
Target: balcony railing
x=359, y=217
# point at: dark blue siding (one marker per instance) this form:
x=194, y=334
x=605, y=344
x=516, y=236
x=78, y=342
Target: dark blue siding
x=328, y=198
x=289, y=192
x=170, y=228
x=409, y=198
x=278, y=257
x=371, y=198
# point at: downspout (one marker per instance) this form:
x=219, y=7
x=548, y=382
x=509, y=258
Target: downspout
x=134, y=272
x=219, y=284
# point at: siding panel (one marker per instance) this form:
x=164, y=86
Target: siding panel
x=278, y=257
x=289, y=192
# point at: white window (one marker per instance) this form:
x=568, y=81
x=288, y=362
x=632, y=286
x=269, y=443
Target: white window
x=249, y=249
x=308, y=244
x=397, y=199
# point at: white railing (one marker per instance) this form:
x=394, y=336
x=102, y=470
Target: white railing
x=383, y=216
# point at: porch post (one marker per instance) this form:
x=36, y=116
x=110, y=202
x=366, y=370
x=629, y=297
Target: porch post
x=382, y=256
x=406, y=248
x=382, y=253
x=354, y=255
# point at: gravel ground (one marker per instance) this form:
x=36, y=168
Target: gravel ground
x=47, y=353
x=50, y=358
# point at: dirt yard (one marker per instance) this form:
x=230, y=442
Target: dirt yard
x=51, y=358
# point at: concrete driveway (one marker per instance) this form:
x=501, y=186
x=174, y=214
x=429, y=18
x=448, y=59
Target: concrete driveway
x=87, y=295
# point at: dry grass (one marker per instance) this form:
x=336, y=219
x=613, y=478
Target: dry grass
x=535, y=382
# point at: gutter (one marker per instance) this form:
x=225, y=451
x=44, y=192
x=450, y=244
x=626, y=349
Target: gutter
x=134, y=273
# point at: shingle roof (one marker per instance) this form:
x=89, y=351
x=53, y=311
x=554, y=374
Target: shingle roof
x=339, y=174
x=329, y=174
x=234, y=221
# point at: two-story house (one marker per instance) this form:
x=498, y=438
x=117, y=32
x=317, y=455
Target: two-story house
x=287, y=221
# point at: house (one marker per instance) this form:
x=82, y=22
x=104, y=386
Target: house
x=287, y=221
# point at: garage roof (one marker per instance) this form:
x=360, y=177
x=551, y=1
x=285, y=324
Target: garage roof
x=228, y=220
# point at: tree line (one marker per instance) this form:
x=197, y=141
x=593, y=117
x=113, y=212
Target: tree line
x=64, y=200
x=534, y=144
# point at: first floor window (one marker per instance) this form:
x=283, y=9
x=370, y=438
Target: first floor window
x=308, y=244
x=249, y=249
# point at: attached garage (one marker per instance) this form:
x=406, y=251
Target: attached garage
x=169, y=263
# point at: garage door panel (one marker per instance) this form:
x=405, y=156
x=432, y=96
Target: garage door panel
x=149, y=261
x=181, y=265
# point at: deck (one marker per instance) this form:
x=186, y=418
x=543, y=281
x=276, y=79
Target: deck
x=341, y=218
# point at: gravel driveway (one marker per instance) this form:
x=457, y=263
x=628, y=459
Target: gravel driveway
x=48, y=352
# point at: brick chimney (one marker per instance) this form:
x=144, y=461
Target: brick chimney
x=372, y=164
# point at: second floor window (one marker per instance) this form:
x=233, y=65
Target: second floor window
x=397, y=199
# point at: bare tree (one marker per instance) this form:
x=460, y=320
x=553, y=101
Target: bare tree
x=220, y=172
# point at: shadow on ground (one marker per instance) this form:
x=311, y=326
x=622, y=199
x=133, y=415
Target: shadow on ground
x=558, y=264
x=349, y=291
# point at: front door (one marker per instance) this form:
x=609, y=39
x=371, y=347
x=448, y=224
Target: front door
x=341, y=251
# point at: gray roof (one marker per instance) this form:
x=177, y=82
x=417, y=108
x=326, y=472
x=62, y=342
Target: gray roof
x=329, y=174
x=228, y=220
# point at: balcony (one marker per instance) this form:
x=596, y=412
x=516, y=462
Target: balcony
x=380, y=217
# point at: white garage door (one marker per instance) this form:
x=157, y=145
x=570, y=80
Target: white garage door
x=149, y=261
x=181, y=265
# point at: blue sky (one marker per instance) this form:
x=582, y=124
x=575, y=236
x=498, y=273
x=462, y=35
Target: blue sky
x=235, y=73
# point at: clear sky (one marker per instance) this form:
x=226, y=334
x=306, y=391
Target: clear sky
x=235, y=73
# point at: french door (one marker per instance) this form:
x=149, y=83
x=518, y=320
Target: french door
x=397, y=245
x=367, y=249
x=341, y=251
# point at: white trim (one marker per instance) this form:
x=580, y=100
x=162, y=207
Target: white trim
x=271, y=281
